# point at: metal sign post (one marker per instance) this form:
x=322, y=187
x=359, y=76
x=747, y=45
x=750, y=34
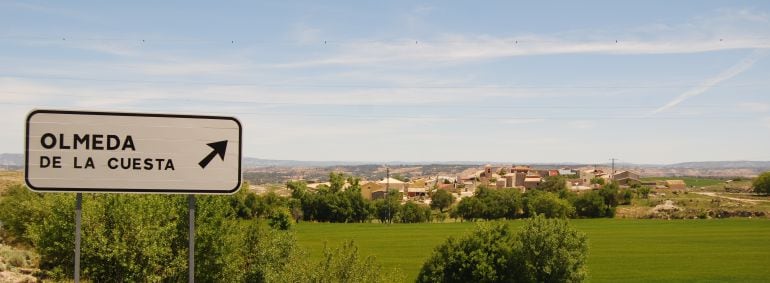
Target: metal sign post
x=78, y=210
x=191, y=238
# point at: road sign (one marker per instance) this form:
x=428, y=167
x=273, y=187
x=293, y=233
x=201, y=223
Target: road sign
x=80, y=151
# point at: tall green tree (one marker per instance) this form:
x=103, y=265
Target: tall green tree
x=554, y=184
x=441, y=200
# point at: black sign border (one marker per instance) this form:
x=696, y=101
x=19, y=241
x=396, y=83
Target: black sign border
x=129, y=190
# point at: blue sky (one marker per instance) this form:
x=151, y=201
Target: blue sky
x=544, y=81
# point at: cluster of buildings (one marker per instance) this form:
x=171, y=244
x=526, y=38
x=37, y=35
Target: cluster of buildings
x=519, y=177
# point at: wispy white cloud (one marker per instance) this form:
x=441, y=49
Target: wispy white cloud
x=727, y=29
x=731, y=72
x=460, y=48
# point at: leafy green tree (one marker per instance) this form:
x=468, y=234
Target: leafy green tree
x=337, y=181
x=266, y=252
x=554, y=184
x=298, y=189
x=762, y=184
x=52, y=235
x=544, y=250
x=144, y=238
x=19, y=207
x=610, y=194
x=441, y=200
x=591, y=204
x=280, y=219
x=644, y=192
x=548, y=204
x=597, y=181
x=482, y=256
x=548, y=250
x=625, y=196
x=387, y=209
x=412, y=212
x=469, y=208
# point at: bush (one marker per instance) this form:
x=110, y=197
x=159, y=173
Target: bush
x=482, y=256
x=644, y=192
x=341, y=264
x=133, y=238
x=548, y=205
x=281, y=219
x=542, y=251
x=591, y=204
x=412, y=212
x=19, y=207
x=469, y=208
x=625, y=196
x=762, y=184
x=441, y=200
x=548, y=250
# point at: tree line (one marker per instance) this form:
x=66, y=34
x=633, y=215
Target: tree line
x=144, y=238
x=340, y=204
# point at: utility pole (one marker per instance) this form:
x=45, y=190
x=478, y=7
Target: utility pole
x=612, y=173
x=387, y=190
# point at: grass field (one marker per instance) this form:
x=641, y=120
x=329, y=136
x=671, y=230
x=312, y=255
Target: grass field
x=734, y=250
x=689, y=181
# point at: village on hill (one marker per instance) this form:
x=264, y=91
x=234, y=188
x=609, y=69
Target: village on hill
x=521, y=177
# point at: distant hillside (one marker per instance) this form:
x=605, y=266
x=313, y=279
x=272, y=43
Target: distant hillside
x=11, y=159
x=250, y=162
x=17, y=160
x=762, y=165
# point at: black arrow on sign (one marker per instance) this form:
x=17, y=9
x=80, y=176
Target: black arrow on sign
x=219, y=149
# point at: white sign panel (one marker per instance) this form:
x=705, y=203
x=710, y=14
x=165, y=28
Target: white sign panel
x=76, y=151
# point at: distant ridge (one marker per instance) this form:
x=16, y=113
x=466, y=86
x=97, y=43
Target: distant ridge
x=11, y=159
x=722, y=165
x=16, y=159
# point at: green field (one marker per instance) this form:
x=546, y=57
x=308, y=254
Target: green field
x=689, y=181
x=734, y=250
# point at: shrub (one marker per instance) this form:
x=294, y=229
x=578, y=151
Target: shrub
x=341, y=264
x=549, y=205
x=280, y=219
x=591, y=204
x=412, y=212
x=144, y=238
x=548, y=250
x=19, y=207
x=644, y=192
x=544, y=250
x=761, y=184
x=624, y=197
x=441, y=200
x=481, y=256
